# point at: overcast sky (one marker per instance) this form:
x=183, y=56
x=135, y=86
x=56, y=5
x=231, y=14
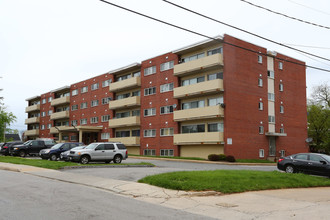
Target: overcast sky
x=45, y=45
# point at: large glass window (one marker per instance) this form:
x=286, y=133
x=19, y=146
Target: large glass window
x=122, y=133
x=215, y=76
x=215, y=127
x=123, y=96
x=192, y=128
x=167, y=65
x=167, y=152
x=150, y=91
x=166, y=87
x=127, y=76
x=149, y=112
x=214, y=51
x=166, y=132
x=149, y=133
x=193, y=57
x=122, y=115
x=150, y=70
x=192, y=81
x=215, y=101
x=195, y=104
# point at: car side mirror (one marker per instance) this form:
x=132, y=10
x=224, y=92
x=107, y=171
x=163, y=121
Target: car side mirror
x=323, y=162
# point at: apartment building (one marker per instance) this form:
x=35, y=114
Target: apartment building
x=223, y=96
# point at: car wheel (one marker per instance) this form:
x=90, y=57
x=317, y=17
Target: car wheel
x=22, y=153
x=117, y=159
x=53, y=157
x=290, y=169
x=84, y=160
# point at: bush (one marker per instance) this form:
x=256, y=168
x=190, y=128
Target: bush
x=214, y=157
x=230, y=158
x=222, y=157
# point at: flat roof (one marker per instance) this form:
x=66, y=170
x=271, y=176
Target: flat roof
x=60, y=89
x=125, y=68
x=32, y=98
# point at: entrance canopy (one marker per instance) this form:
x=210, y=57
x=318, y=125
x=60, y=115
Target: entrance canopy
x=76, y=129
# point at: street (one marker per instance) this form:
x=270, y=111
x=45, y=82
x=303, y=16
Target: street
x=28, y=197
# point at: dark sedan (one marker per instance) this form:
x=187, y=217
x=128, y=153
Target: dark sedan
x=311, y=163
x=4, y=149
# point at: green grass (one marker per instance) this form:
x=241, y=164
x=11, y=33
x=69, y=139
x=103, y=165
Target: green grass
x=233, y=181
x=56, y=164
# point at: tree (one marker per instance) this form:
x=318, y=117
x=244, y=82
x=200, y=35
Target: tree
x=6, y=119
x=321, y=95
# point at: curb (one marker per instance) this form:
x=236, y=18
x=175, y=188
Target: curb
x=103, y=166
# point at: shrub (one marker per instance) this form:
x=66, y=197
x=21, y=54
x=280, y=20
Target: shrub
x=214, y=157
x=230, y=158
x=222, y=157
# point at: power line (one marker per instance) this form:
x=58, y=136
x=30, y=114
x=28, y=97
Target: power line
x=240, y=29
x=287, y=16
x=317, y=47
x=212, y=38
x=314, y=9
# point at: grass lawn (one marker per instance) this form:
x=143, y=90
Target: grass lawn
x=55, y=164
x=233, y=181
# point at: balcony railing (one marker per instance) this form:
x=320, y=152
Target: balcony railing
x=125, y=84
x=33, y=120
x=198, y=138
x=207, y=87
x=124, y=122
x=204, y=63
x=198, y=113
x=60, y=115
x=60, y=101
x=34, y=132
x=124, y=103
x=128, y=141
x=32, y=108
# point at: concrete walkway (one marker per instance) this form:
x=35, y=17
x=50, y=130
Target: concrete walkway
x=311, y=203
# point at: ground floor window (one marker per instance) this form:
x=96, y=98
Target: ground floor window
x=167, y=152
x=74, y=138
x=149, y=152
x=105, y=136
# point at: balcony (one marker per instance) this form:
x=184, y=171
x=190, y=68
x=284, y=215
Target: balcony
x=34, y=120
x=130, y=83
x=194, y=66
x=198, y=113
x=60, y=101
x=34, y=132
x=124, y=122
x=128, y=141
x=32, y=108
x=124, y=103
x=60, y=115
x=207, y=87
x=198, y=138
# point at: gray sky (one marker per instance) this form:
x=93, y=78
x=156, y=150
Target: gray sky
x=45, y=45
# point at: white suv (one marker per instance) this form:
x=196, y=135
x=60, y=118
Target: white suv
x=105, y=151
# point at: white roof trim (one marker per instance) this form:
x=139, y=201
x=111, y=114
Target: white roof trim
x=62, y=88
x=125, y=67
x=34, y=97
x=197, y=44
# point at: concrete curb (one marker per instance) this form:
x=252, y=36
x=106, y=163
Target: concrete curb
x=103, y=166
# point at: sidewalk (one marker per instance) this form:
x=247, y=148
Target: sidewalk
x=311, y=203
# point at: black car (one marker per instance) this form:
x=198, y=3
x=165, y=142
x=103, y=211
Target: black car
x=4, y=149
x=55, y=151
x=311, y=163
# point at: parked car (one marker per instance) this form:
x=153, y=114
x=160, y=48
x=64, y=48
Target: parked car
x=105, y=151
x=31, y=147
x=54, y=152
x=4, y=149
x=65, y=155
x=311, y=163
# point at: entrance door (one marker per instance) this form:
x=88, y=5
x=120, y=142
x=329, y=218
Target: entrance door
x=272, y=147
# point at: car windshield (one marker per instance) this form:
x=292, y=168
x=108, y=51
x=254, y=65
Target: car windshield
x=56, y=146
x=26, y=143
x=327, y=157
x=91, y=146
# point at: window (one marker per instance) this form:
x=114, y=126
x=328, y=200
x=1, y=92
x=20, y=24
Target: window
x=167, y=65
x=94, y=120
x=42, y=127
x=149, y=91
x=270, y=74
x=138, y=73
x=122, y=133
x=215, y=127
x=50, y=99
x=74, y=107
x=49, y=126
x=122, y=96
x=215, y=76
x=150, y=70
x=260, y=82
x=136, y=93
x=74, y=122
x=214, y=51
x=94, y=86
x=135, y=133
x=193, y=57
x=282, y=130
x=84, y=89
x=281, y=87
x=167, y=152
x=43, y=114
x=105, y=118
x=74, y=138
x=271, y=118
x=261, y=153
x=106, y=100
x=280, y=65
x=215, y=101
x=149, y=152
x=136, y=112
x=94, y=103
x=83, y=105
x=106, y=83
x=43, y=101
x=166, y=132
x=149, y=133
x=166, y=87
x=166, y=109
x=301, y=157
x=271, y=96
x=195, y=104
x=83, y=121
x=149, y=112
x=261, y=129
x=259, y=59
x=122, y=114
x=123, y=77
x=281, y=109
x=192, y=81
x=192, y=128
x=105, y=136
x=261, y=106
x=50, y=112
x=74, y=92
